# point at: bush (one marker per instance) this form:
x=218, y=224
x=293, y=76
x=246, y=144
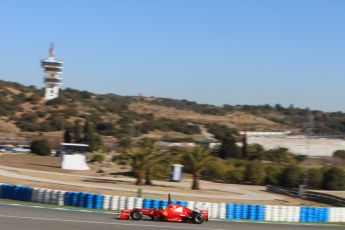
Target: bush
x=217, y=170
x=165, y=124
x=291, y=176
x=28, y=122
x=40, y=147
x=229, y=149
x=279, y=155
x=273, y=174
x=106, y=128
x=255, y=152
x=315, y=178
x=334, y=179
x=97, y=158
x=236, y=176
x=255, y=173
x=339, y=154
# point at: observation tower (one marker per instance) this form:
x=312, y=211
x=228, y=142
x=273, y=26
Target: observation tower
x=53, y=69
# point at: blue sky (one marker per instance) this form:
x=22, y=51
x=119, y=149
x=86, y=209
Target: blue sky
x=217, y=52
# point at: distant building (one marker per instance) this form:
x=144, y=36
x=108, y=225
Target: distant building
x=266, y=134
x=71, y=148
x=53, y=69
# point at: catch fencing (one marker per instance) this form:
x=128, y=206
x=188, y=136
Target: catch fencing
x=308, y=195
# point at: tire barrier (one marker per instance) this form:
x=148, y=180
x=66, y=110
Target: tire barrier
x=89, y=200
x=222, y=211
x=106, y=202
x=282, y=213
x=213, y=210
x=190, y=204
x=216, y=210
x=114, y=203
x=16, y=192
x=244, y=211
x=155, y=203
x=138, y=203
x=47, y=196
x=313, y=214
x=75, y=199
x=122, y=202
x=82, y=200
x=337, y=215
x=130, y=202
x=147, y=203
x=54, y=197
x=98, y=202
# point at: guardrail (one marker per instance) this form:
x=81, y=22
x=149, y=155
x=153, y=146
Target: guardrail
x=308, y=195
x=229, y=211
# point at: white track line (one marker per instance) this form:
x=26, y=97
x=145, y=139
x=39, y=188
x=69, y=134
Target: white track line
x=107, y=223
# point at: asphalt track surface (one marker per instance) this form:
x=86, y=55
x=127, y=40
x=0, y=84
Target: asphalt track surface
x=28, y=218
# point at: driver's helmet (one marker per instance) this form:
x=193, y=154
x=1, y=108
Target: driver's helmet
x=163, y=207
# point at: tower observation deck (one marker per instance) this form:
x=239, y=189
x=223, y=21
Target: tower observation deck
x=53, y=68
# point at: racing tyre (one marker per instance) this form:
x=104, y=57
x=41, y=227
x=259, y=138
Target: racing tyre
x=197, y=218
x=136, y=214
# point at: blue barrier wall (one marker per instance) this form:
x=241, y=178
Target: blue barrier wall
x=147, y=203
x=314, y=214
x=16, y=192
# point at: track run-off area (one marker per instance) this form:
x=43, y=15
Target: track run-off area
x=17, y=217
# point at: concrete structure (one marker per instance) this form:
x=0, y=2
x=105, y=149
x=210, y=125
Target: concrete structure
x=74, y=162
x=299, y=144
x=53, y=69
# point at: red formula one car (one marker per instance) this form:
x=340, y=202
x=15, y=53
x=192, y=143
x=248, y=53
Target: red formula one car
x=173, y=212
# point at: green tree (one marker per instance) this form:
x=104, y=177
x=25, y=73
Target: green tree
x=91, y=138
x=255, y=173
x=143, y=159
x=255, y=152
x=244, y=146
x=139, y=162
x=273, y=174
x=291, y=176
x=40, y=147
x=236, y=175
x=279, y=155
x=125, y=141
x=216, y=170
x=334, y=179
x=106, y=128
x=196, y=161
x=315, y=178
x=154, y=157
x=77, y=132
x=229, y=149
x=67, y=137
x=97, y=158
x=56, y=122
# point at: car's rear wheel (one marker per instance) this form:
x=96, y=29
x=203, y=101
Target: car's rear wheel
x=136, y=214
x=197, y=218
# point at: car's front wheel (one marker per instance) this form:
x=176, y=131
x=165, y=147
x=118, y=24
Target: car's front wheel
x=136, y=214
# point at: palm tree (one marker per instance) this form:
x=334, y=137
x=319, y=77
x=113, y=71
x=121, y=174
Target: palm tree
x=143, y=160
x=196, y=161
x=154, y=157
x=138, y=160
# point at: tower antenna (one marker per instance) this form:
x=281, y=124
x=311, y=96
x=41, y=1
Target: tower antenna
x=51, y=50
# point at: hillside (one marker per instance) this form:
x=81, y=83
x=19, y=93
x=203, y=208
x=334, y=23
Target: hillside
x=22, y=109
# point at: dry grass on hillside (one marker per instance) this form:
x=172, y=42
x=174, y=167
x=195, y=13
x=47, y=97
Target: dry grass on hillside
x=8, y=128
x=237, y=119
